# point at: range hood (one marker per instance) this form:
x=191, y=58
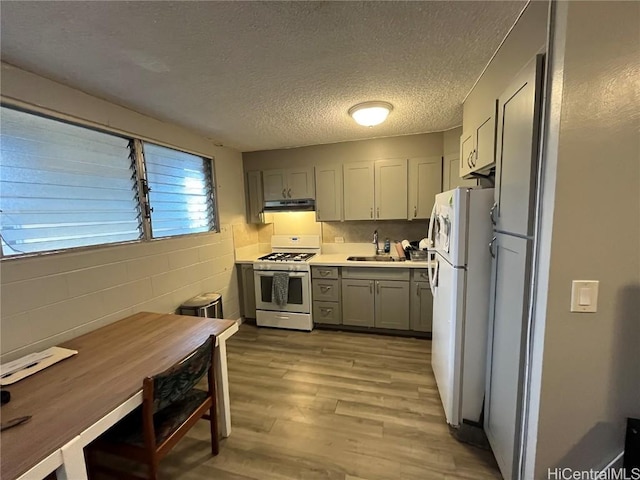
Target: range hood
x=302, y=205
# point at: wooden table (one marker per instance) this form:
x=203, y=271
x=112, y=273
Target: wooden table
x=74, y=401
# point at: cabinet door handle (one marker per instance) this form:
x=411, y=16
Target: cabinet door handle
x=324, y=288
x=492, y=214
x=284, y=193
x=491, y=243
x=378, y=287
x=415, y=211
x=324, y=273
x=418, y=290
x=371, y=212
x=371, y=286
x=378, y=213
x=325, y=311
x=469, y=159
x=289, y=193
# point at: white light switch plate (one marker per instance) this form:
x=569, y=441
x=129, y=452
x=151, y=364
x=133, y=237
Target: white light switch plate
x=584, y=296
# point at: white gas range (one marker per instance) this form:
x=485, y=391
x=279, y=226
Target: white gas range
x=290, y=255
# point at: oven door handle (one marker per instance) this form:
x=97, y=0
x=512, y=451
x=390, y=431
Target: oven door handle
x=269, y=273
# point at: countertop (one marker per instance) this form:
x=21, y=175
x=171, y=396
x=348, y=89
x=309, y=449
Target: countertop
x=340, y=260
x=248, y=258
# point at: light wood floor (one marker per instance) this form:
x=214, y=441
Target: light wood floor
x=329, y=405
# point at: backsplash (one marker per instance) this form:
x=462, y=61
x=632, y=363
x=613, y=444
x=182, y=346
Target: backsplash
x=244, y=234
x=362, y=231
x=304, y=223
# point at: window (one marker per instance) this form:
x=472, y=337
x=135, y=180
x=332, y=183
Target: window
x=64, y=186
x=180, y=192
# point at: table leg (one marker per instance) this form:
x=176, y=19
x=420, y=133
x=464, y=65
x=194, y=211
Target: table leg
x=223, y=388
x=73, y=465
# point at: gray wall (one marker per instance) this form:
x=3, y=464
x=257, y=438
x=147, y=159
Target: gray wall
x=50, y=298
x=422, y=145
x=451, y=141
x=590, y=377
x=527, y=38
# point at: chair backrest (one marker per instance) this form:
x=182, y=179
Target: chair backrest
x=174, y=383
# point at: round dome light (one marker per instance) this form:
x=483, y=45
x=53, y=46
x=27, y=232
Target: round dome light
x=369, y=114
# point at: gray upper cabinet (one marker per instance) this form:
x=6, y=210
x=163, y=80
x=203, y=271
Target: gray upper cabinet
x=518, y=120
x=255, y=200
x=329, y=193
x=358, y=191
x=274, y=182
x=375, y=190
x=478, y=145
x=466, y=152
x=288, y=184
x=391, y=189
x=451, y=177
x=392, y=305
x=425, y=181
x=484, y=154
x=300, y=183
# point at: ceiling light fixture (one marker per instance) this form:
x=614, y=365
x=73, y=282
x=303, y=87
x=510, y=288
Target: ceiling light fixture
x=369, y=114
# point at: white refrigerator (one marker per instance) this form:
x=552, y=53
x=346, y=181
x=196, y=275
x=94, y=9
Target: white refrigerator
x=460, y=233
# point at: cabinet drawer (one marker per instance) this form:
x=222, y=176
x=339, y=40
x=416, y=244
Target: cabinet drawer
x=328, y=313
x=376, y=273
x=326, y=290
x=324, y=272
x=420, y=275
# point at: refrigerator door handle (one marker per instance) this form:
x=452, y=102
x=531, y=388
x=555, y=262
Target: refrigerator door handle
x=432, y=219
x=491, y=243
x=433, y=275
x=492, y=214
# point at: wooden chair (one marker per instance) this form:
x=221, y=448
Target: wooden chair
x=171, y=405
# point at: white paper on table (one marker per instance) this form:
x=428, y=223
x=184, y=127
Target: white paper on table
x=33, y=363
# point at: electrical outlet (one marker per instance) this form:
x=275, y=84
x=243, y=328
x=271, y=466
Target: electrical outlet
x=338, y=239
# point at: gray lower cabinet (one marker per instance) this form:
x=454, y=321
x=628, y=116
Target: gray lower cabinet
x=248, y=290
x=375, y=297
x=326, y=290
x=421, y=307
x=392, y=305
x=358, y=305
x=327, y=313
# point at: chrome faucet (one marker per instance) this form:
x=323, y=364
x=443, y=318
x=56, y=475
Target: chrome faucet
x=375, y=242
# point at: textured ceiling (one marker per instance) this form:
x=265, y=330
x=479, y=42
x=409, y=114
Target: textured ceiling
x=265, y=75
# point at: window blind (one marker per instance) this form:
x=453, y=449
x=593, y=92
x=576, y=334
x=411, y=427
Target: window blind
x=181, y=192
x=63, y=186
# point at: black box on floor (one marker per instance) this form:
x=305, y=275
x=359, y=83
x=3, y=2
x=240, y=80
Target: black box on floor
x=632, y=444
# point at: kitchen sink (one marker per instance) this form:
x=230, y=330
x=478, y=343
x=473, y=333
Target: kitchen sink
x=373, y=258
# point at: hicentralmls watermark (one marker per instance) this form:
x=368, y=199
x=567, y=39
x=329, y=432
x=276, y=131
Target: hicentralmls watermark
x=611, y=474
